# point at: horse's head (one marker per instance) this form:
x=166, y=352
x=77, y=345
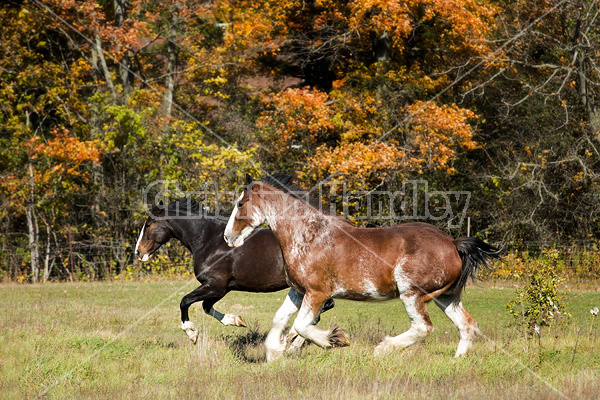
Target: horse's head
x=246, y=215
x=154, y=234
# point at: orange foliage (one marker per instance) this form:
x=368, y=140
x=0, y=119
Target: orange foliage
x=355, y=163
x=62, y=156
x=434, y=136
x=296, y=116
x=464, y=23
x=436, y=132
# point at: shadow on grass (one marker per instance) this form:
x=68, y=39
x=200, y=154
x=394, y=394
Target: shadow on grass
x=249, y=347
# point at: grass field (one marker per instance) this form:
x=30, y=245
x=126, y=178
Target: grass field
x=122, y=340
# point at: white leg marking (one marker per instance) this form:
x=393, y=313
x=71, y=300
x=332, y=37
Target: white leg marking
x=227, y=319
x=274, y=343
x=466, y=329
x=191, y=330
x=419, y=329
x=402, y=281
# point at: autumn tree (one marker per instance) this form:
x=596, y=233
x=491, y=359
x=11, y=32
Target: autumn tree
x=45, y=158
x=539, y=97
x=99, y=100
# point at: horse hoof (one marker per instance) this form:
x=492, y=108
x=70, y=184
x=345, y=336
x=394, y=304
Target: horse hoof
x=296, y=342
x=189, y=328
x=239, y=321
x=337, y=337
x=291, y=336
x=382, y=348
x=194, y=337
x=273, y=355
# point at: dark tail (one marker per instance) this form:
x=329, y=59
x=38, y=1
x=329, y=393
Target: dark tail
x=475, y=254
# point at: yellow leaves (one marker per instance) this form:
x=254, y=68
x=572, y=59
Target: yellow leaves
x=219, y=80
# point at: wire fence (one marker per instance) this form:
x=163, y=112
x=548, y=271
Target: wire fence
x=114, y=259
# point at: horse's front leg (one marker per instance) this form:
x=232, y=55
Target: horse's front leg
x=274, y=343
x=312, y=305
x=296, y=341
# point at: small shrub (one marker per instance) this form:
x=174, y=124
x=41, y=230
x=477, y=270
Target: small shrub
x=539, y=303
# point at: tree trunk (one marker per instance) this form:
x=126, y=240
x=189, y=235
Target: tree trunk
x=33, y=229
x=125, y=72
x=104, y=68
x=586, y=20
x=382, y=48
x=171, y=62
x=47, y=257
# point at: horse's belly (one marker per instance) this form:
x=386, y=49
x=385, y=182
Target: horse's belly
x=366, y=291
x=364, y=296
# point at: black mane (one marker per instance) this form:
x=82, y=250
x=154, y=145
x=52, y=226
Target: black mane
x=282, y=182
x=185, y=206
x=189, y=207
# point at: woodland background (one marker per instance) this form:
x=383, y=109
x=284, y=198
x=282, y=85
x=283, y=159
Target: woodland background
x=101, y=98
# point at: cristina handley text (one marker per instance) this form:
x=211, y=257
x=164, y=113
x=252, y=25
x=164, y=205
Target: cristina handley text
x=413, y=202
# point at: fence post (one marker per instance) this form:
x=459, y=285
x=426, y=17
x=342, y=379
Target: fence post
x=70, y=251
x=468, y=226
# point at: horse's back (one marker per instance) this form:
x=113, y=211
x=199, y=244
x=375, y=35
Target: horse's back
x=395, y=258
x=429, y=258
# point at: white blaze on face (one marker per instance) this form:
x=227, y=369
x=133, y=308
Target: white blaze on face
x=137, y=245
x=229, y=227
x=254, y=221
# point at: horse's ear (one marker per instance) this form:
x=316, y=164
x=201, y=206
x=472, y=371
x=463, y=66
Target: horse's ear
x=156, y=210
x=249, y=179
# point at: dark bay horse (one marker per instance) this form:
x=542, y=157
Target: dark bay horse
x=257, y=267
x=327, y=257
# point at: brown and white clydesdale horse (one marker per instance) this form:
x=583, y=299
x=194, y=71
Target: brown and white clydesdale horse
x=327, y=257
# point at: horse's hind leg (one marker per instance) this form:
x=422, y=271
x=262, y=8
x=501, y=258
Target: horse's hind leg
x=209, y=294
x=420, y=324
x=304, y=323
x=225, y=319
x=467, y=327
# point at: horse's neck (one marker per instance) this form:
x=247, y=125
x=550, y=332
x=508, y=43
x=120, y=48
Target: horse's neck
x=196, y=234
x=288, y=218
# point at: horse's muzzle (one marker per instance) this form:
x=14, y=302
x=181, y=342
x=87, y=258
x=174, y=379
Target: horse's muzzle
x=236, y=242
